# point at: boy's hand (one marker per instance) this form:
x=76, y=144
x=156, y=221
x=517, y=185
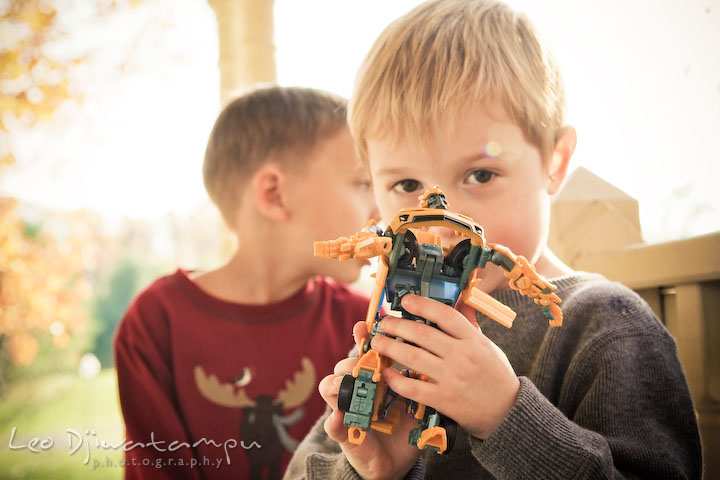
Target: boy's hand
x=471, y=380
x=380, y=456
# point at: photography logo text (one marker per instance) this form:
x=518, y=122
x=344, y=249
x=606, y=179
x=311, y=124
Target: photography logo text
x=89, y=442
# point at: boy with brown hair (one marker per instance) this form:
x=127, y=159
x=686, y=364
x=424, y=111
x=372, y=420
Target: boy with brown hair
x=218, y=371
x=463, y=95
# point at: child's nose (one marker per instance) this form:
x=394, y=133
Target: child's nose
x=374, y=211
x=448, y=236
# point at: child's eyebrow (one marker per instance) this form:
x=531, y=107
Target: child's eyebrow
x=391, y=171
x=473, y=157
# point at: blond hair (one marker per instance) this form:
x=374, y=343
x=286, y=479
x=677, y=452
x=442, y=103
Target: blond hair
x=279, y=123
x=428, y=65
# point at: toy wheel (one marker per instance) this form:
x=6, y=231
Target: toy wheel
x=411, y=249
x=346, y=392
x=457, y=256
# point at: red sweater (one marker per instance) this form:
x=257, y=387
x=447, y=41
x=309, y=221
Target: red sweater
x=214, y=389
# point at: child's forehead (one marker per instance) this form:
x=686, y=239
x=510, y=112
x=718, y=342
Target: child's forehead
x=418, y=128
x=477, y=132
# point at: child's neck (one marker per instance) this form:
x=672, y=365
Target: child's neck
x=550, y=266
x=253, y=278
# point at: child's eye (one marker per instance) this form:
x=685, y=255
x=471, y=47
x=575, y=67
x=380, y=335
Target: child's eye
x=406, y=186
x=480, y=176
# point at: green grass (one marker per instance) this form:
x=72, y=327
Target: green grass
x=48, y=407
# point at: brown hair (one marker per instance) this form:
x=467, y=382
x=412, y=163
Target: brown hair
x=431, y=63
x=263, y=124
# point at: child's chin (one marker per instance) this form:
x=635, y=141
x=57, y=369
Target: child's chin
x=349, y=274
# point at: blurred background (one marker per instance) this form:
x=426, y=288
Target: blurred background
x=105, y=108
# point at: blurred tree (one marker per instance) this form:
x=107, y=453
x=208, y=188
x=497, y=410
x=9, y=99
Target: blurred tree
x=32, y=83
x=110, y=305
x=44, y=285
x=37, y=276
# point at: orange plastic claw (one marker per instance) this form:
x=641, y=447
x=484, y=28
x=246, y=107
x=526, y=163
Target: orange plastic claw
x=372, y=246
x=332, y=248
x=360, y=245
x=557, y=313
x=524, y=278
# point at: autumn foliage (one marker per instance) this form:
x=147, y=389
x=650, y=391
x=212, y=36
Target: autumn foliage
x=43, y=279
x=43, y=287
x=32, y=84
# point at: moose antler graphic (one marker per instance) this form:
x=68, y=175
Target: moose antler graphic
x=296, y=391
x=224, y=394
x=263, y=420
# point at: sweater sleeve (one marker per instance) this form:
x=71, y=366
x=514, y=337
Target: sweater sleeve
x=319, y=457
x=625, y=412
x=147, y=398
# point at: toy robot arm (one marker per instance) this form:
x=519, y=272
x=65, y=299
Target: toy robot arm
x=366, y=243
x=527, y=281
x=487, y=305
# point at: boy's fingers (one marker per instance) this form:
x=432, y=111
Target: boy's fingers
x=425, y=336
x=345, y=366
x=420, y=391
x=413, y=357
x=335, y=428
x=328, y=388
x=447, y=318
x=360, y=332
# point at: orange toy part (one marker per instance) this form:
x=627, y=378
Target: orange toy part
x=356, y=435
x=377, y=293
x=363, y=244
x=423, y=218
x=371, y=361
x=434, y=437
x=435, y=190
x=417, y=267
x=528, y=282
x=487, y=305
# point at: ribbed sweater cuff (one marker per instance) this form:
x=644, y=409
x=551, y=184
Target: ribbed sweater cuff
x=537, y=441
x=336, y=466
x=321, y=465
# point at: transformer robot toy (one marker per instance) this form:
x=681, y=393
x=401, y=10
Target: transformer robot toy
x=412, y=260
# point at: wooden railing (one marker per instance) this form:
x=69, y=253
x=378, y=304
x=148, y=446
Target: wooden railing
x=681, y=282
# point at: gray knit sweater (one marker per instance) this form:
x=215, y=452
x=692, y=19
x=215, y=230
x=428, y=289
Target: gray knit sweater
x=603, y=396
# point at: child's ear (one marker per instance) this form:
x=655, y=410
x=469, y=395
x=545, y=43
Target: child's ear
x=268, y=192
x=564, y=149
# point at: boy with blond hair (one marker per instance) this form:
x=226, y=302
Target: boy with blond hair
x=218, y=371
x=462, y=94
